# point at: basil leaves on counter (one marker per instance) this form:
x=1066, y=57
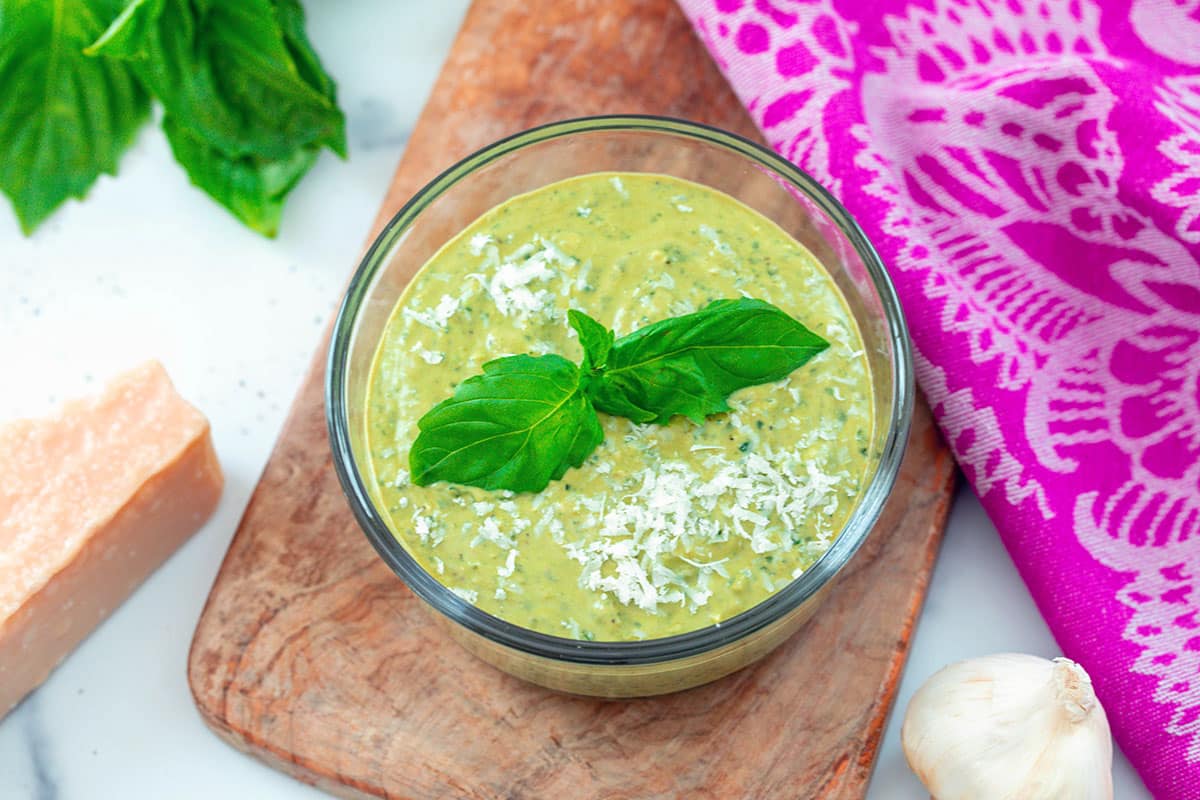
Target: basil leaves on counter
x=65, y=118
x=526, y=419
x=247, y=105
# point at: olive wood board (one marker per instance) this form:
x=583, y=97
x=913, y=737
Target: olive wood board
x=312, y=656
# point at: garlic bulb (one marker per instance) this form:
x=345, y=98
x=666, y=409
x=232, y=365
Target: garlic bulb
x=1009, y=727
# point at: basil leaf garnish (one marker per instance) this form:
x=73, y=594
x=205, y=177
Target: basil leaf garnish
x=526, y=419
x=597, y=340
x=689, y=365
x=517, y=426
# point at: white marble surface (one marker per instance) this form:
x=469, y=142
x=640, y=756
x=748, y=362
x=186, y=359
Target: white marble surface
x=148, y=267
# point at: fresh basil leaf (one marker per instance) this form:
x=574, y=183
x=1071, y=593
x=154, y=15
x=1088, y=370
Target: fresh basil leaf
x=597, y=341
x=248, y=104
x=517, y=426
x=64, y=118
x=130, y=32
x=689, y=365
x=252, y=188
x=225, y=70
x=291, y=20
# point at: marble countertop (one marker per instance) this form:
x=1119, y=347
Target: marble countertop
x=148, y=267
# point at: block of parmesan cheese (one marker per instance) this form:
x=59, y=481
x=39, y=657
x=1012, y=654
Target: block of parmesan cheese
x=92, y=500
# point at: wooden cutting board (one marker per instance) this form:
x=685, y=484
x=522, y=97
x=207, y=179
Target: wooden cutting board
x=311, y=655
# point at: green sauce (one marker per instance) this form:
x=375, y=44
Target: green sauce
x=664, y=529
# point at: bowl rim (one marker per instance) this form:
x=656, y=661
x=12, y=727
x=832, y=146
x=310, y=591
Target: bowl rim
x=638, y=652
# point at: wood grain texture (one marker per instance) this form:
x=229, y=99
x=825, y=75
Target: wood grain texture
x=311, y=654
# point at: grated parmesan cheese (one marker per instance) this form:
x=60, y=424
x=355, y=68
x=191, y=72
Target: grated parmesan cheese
x=429, y=529
x=618, y=319
x=489, y=531
x=719, y=244
x=437, y=317
x=510, y=564
x=431, y=356
x=681, y=307
x=480, y=241
x=469, y=595
x=673, y=511
x=510, y=284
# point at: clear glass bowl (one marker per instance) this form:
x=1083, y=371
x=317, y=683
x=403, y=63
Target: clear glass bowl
x=524, y=162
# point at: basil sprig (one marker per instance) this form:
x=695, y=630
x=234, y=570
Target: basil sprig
x=526, y=419
x=247, y=106
x=517, y=426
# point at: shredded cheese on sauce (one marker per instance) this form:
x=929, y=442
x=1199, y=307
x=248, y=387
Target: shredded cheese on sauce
x=647, y=532
x=437, y=317
x=720, y=245
x=428, y=527
x=511, y=282
x=478, y=242
x=429, y=356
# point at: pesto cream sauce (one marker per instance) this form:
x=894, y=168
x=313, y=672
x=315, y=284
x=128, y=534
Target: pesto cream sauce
x=664, y=529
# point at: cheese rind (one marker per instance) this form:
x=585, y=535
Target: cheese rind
x=92, y=500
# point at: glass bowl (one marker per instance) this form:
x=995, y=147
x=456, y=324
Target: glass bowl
x=750, y=173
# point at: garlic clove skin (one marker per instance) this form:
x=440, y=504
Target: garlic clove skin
x=1009, y=727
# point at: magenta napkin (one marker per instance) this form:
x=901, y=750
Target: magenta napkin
x=1030, y=173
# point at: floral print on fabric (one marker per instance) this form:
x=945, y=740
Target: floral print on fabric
x=1030, y=173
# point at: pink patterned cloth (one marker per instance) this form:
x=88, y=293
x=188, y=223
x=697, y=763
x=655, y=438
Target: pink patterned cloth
x=1030, y=173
